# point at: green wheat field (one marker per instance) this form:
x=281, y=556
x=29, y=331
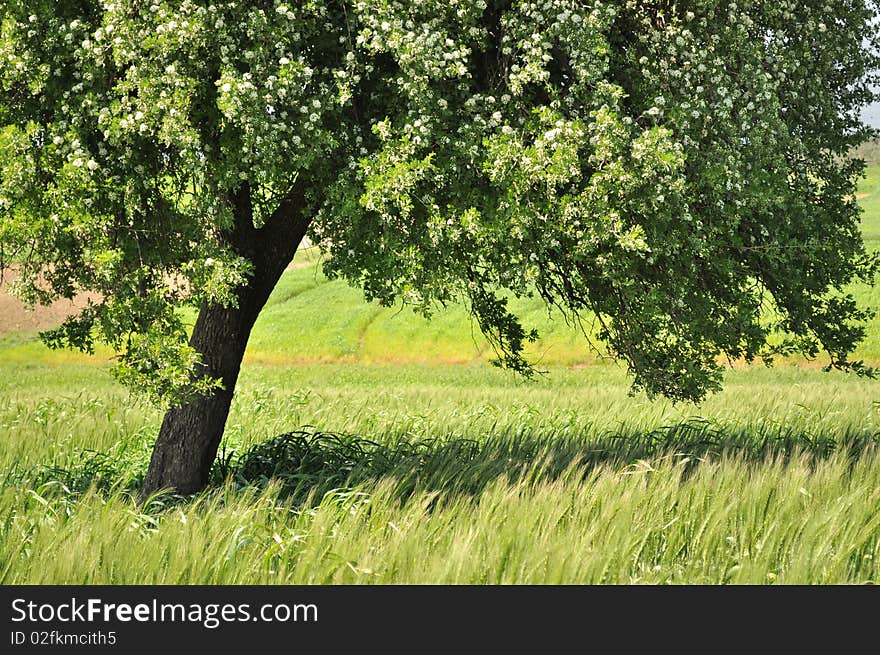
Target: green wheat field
x=368, y=446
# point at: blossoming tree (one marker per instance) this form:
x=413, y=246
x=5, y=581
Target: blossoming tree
x=676, y=171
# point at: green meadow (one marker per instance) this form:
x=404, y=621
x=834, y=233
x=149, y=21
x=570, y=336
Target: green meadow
x=366, y=445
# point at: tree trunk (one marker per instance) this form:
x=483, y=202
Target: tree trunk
x=190, y=434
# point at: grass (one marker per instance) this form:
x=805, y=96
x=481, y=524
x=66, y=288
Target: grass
x=365, y=446
x=450, y=474
x=668, y=520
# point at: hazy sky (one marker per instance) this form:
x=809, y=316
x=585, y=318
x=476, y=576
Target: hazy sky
x=872, y=115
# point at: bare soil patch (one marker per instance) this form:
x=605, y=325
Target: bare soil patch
x=15, y=316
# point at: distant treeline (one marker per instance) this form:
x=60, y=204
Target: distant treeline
x=870, y=152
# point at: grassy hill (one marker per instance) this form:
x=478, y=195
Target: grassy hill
x=310, y=320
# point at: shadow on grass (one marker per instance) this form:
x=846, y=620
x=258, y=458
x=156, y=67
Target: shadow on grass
x=309, y=463
x=312, y=463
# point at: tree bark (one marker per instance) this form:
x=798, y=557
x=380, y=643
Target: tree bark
x=190, y=434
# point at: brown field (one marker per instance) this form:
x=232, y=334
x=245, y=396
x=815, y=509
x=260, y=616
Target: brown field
x=16, y=316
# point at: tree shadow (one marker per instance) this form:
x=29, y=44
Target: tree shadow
x=309, y=463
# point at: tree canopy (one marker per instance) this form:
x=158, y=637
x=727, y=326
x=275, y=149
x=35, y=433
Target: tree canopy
x=676, y=172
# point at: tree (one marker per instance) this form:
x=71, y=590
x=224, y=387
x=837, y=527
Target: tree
x=676, y=171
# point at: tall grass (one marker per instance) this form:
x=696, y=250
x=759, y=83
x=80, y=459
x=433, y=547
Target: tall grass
x=667, y=519
x=455, y=474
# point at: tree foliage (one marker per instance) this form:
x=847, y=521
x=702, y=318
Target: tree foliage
x=676, y=172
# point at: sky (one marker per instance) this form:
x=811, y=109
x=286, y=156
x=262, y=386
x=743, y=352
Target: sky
x=872, y=115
